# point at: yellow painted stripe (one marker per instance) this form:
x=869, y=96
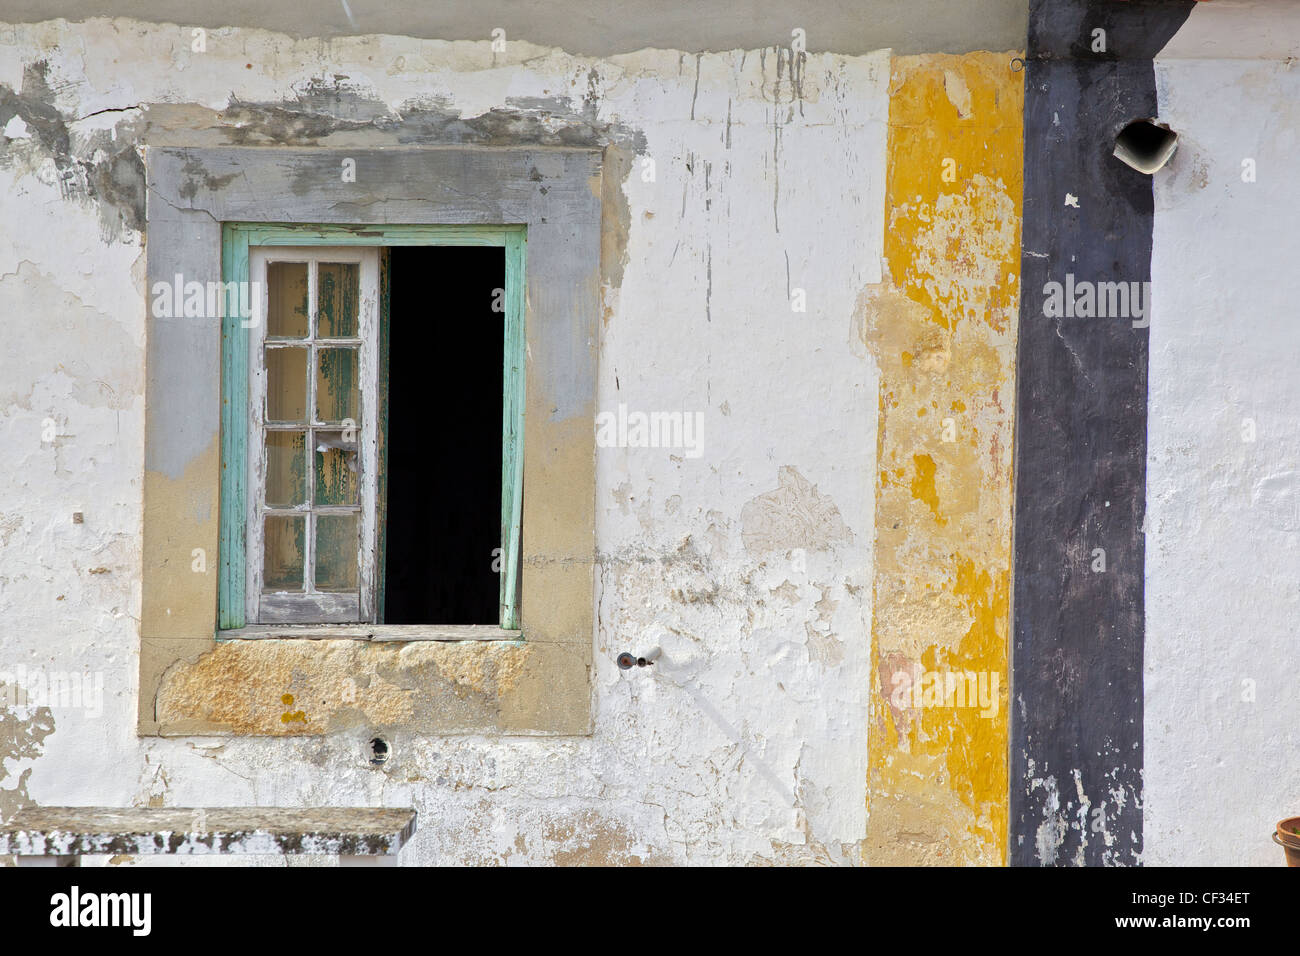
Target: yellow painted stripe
x=942, y=329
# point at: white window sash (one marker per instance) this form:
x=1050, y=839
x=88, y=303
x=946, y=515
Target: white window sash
x=310, y=606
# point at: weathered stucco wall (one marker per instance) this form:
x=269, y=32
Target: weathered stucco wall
x=752, y=183
x=1223, y=485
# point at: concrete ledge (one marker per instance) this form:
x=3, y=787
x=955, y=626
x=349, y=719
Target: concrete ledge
x=142, y=831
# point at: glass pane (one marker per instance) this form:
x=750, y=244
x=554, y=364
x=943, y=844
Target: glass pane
x=285, y=550
x=336, y=552
x=286, y=469
x=338, y=287
x=286, y=300
x=286, y=385
x=336, y=385
x=336, y=469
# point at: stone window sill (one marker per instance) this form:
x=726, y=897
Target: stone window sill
x=372, y=632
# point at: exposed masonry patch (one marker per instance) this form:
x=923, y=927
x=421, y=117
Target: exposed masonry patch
x=105, y=166
x=22, y=737
x=97, y=167
x=324, y=110
x=281, y=688
x=795, y=515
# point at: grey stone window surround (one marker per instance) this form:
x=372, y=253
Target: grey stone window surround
x=556, y=194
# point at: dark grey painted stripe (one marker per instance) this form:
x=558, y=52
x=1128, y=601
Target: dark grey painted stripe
x=1076, y=724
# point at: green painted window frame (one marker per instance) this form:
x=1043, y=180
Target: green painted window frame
x=236, y=239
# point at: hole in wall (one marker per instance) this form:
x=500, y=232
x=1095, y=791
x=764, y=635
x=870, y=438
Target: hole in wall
x=1146, y=145
x=379, y=751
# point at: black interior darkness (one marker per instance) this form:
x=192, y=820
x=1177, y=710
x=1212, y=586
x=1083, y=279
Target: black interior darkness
x=446, y=349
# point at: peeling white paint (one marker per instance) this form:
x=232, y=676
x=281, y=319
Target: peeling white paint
x=746, y=741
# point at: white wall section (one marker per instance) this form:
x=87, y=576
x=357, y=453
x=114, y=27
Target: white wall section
x=1223, y=481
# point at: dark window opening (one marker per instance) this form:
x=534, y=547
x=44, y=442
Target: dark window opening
x=446, y=350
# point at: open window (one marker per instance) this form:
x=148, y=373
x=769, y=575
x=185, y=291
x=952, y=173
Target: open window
x=372, y=403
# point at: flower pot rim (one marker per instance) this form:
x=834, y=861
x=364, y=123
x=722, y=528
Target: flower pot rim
x=1286, y=831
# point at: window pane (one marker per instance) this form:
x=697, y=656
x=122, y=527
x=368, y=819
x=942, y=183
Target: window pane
x=286, y=385
x=285, y=548
x=286, y=300
x=337, y=294
x=336, y=552
x=336, y=464
x=336, y=385
x=286, y=468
